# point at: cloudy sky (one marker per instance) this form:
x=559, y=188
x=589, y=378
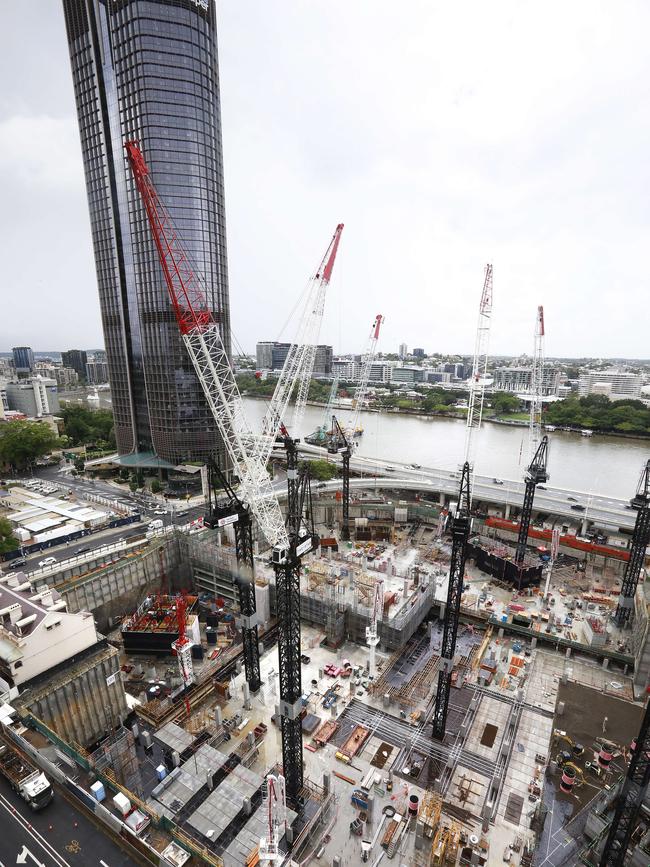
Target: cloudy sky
x=444, y=135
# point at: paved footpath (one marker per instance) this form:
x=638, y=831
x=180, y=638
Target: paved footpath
x=73, y=841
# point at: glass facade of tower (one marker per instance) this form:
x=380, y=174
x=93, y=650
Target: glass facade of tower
x=148, y=70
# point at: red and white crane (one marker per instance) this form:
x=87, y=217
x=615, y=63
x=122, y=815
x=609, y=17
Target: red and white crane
x=183, y=647
x=275, y=805
x=372, y=635
x=479, y=378
x=354, y=428
x=536, y=386
x=201, y=335
x=299, y=364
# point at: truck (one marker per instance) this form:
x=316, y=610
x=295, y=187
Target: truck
x=25, y=778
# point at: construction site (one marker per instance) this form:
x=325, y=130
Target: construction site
x=318, y=679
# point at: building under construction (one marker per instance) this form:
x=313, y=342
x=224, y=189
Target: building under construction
x=153, y=627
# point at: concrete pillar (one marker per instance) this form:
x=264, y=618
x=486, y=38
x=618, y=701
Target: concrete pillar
x=406, y=588
x=218, y=718
x=441, y=499
x=247, y=696
x=560, y=708
x=506, y=513
x=501, y=632
x=288, y=835
x=250, y=740
x=568, y=653
x=327, y=782
x=606, y=662
x=533, y=643
x=583, y=526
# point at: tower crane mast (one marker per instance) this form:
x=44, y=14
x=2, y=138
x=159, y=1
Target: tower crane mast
x=638, y=545
x=338, y=444
x=536, y=474
x=460, y=528
x=302, y=540
x=231, y=511
x=364, y=376
x=536, y=386
x=630, y=798
x=479, y=378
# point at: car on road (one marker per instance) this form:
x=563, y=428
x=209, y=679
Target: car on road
x=498, y=481
x=577, y=507
x=17, y=563
x=83, y=550
x=48, y=561
x=416, y=466
x=572, y=499
x=322, y=485
x=390, y=469
x=160, y=511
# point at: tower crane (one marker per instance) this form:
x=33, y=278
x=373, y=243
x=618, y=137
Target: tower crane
x=338, y=444
x=535, y=475
x=229, y=510
x=479, y=379
x=183, y=648
x=302, y=539
x=372, y=635
x=319, y=436
x=299, y=364
x=536, y=386
x=640, y=541
x=202, y=338
x=629, y=799
x=364, y=376
x=275, y=805
x=460, y=529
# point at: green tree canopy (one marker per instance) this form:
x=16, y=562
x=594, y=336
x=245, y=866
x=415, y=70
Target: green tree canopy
x=8, y=541
x=22, y=442
x=86, y=426
x=322, y=470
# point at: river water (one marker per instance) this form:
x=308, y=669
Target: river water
x=608, y=466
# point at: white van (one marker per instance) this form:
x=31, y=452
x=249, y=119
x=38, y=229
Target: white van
x=156, y=524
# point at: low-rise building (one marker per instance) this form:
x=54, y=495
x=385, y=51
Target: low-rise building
x=33, y=397
x=614, y=384
x=517, y=379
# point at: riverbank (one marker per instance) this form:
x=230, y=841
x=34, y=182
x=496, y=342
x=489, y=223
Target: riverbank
x=415, y=413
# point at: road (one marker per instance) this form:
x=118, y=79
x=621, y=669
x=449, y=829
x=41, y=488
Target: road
x=146, y=505
x=603, y=511
x=58, y=836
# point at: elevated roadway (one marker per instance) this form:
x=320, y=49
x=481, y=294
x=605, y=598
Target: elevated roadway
x=605, y=512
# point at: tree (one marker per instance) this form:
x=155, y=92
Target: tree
x=322, y=470
x=79, y=464
x=22, y=442
x=85, y=426
x=8, y=541
x=156, y=487
x=133, y=485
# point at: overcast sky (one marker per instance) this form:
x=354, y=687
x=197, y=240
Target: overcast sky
x=443, y=134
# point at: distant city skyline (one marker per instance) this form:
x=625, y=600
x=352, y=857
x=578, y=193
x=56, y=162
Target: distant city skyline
x=468, y=147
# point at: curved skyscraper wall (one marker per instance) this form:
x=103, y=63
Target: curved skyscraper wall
x=148, y=70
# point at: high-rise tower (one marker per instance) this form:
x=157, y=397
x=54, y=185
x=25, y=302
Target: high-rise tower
x=148, y=70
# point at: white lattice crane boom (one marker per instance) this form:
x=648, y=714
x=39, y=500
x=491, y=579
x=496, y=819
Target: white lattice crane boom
x=201, y=334
x=479, y=378
x=372, y=634
x=299, y=363
x=536, y=386
x=364, y=377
